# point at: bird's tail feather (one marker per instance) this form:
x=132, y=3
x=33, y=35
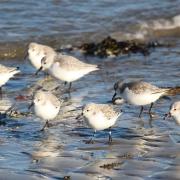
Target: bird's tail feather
x=99, y=66
x=172, y=91
x=94, y=67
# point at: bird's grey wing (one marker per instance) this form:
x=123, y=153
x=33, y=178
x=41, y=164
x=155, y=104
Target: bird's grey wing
x=141, y=86
x=71, y=63
x=108, y=111
x=55, y=101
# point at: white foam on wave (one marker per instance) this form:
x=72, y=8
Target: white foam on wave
x=141, y=34
x=147, y=29
x=161, y=24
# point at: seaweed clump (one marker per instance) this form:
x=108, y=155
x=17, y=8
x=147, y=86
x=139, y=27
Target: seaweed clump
x=111, y=165
x=110, y=46
x=66, y=177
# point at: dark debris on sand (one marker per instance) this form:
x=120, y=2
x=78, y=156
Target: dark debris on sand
x=110, y=46
x=111, y=165
x=66, y=177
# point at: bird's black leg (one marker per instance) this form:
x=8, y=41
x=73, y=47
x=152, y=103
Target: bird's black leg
x=65, y=83
x=70, y=85
x=91, y=141
x=150, y=114
x=0, y=92
x=46, y=124
x=110, y=136
x=142, y=108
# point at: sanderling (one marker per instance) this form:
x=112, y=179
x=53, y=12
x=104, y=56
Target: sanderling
x=141, y=93
x=36, y=52
x=66, y=68
x=100, y=117
x=6, y=73
x=175, y=112
x=46, y=106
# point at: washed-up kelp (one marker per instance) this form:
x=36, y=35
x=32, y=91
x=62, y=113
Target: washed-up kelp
x=110, y=46
x=111, y=165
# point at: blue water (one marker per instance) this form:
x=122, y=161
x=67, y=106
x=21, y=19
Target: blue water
x=146, y=149
x=68, y=20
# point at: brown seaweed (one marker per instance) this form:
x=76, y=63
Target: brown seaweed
x=66, y=177
x=111, y=165
x=110, y=46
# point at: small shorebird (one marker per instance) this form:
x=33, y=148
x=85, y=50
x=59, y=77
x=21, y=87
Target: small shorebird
x=36, y=52
x=6, y=73
x=46, y=106
x=175, y=112
x=141, y=93
x=99, y=117
x=66, y=68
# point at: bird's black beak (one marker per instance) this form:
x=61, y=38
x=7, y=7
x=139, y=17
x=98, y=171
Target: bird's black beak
x=31, y=105
x=114, y=96
x=79, y=116
x=167, y=115
x=38, y=70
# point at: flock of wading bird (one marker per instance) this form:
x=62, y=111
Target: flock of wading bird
x=68, y=69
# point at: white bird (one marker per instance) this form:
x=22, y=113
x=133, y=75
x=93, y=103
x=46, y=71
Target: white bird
x=140, y=93
x=100, y=117
x=175, y=112
x=36, y=52
x=46, y=106
x=66, y=68
x=6, y=73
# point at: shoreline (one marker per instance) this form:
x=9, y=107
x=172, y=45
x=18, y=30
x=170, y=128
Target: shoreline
x=16, y=50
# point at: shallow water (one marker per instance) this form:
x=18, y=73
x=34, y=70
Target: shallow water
x=141, y=148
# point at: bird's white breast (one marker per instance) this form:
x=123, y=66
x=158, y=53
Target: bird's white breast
x=47, y=111
x=66, y=75
x=35, y=59
x=100, y=122
x=177, y=118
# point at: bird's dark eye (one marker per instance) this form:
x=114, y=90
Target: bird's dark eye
x=87, y=110
x=44, y=62
x=174, y=109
